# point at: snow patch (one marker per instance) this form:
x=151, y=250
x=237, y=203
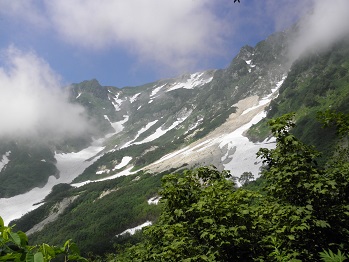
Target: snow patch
x=195, y=125
x=125, y=172
x=134, y=98
x=195, y=80
x=249, y=62
x=117, y=102
x=102, y=171
x=4, y=160
x=154, y=200
x=265, y=100
x=133, y=230
x=160, y=132
x=118, y=126
x=142, y=130
x=124, y=161
x=156, y=90
x=241, y=152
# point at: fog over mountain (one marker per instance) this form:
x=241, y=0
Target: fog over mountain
x=32, y=100
x=326, y=23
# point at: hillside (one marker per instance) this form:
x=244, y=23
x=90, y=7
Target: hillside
x=141, y=123
x=148, y=131
x=315, y=83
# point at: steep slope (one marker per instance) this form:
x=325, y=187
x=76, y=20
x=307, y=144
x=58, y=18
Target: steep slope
x=25, y=164
x=149, y=120
x=315, y=83
x=136, y=126
x=171, y=114
x=151, y=130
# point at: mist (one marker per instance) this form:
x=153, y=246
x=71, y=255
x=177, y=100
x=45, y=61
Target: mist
x=32, y=101
x=326, y=23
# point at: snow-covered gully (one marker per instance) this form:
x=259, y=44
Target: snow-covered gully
x=70, y=166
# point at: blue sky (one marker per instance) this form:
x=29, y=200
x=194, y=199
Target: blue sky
x=132, y=42
x=48, y=44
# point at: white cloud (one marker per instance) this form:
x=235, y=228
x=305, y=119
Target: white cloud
x=285, y=12
x=172, y=32
x=32, y=102
x=27, y=11
x=327, y=23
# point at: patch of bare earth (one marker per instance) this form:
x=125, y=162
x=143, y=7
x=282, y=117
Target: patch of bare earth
x=55, y=212
x=206, y=151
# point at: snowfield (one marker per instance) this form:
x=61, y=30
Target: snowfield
x=69, y=165
x=237, y=152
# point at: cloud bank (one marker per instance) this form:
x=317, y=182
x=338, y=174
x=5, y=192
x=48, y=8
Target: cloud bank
x=171, y=32
x=32, y=102
x=327, y=23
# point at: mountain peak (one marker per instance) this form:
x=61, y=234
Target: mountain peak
x=90, y=83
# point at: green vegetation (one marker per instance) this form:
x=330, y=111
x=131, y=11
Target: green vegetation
x=302, y=215
x=297, y=211
x=316, y=82
x=14, y=247
x=100, y=212
x=29, y=166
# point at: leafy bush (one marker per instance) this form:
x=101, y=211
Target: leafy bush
x=14, y=247
x=304, y=209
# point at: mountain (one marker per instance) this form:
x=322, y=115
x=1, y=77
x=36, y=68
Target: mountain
x=158, y=118
x=106, y=182
x=180, y=111
x=315, y=83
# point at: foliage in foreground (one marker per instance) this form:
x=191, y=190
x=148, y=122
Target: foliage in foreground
x=14, y=247
x=302, y=215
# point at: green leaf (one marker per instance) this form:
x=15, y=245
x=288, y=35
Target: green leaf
x=291, y=237
x=15, y=238
x=309, y=207
x=29, y=257
x=208, y=220
x=38, y=257
x=48, y=251
x=23, y=237
x=178, y=212
x=10, y=257
x=322, y=223
x=245, y=212
x=329, y=256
